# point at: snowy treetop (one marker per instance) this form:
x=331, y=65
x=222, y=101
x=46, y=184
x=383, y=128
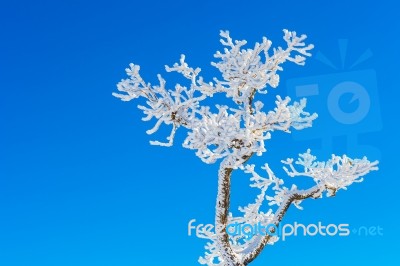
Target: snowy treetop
x=238, y=132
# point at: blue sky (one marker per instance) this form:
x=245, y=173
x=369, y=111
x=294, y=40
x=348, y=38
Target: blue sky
x=79, y=183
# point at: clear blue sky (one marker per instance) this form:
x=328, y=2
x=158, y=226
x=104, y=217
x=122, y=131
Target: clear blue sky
x=81, y=186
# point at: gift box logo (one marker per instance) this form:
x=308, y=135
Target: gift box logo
x=347, y=103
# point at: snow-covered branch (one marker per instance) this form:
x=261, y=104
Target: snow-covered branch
x=245, y=70
x=329, y=176
x=337, y=173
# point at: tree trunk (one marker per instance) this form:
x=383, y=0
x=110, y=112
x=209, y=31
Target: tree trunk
x=221, y=216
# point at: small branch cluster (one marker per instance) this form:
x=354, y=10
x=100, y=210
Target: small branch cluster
x=246, y=70
x=337, y=173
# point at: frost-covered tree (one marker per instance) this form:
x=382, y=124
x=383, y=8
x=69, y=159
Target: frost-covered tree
x=233, y=134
